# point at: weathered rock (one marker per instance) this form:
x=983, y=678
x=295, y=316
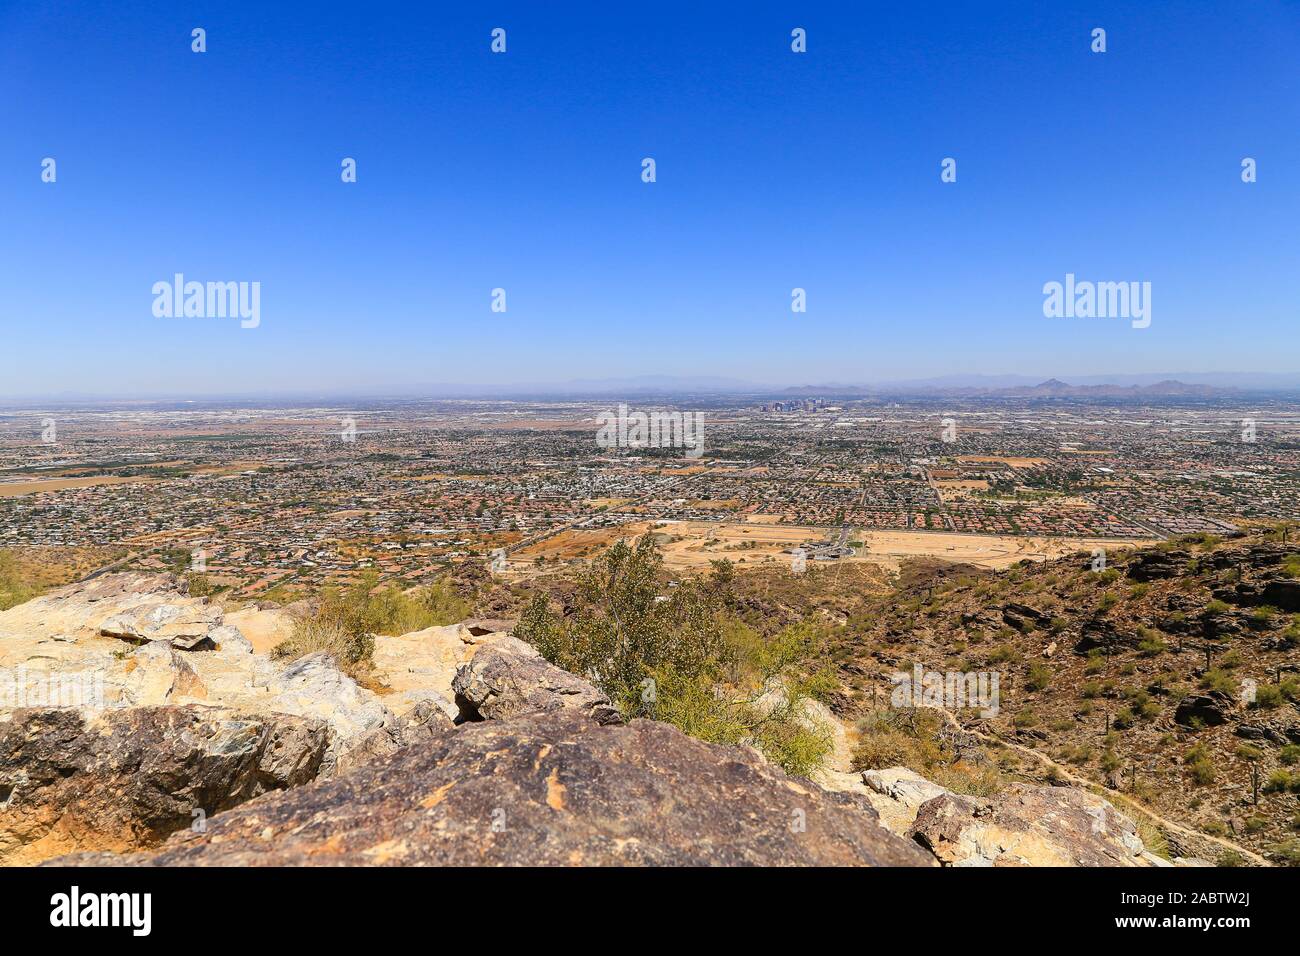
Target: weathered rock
x=421, y=722
x=62, y=657
x=1210, y=708
x=1259, y=732
x=127, y=779
x=900, y=795
x=548, y=789
x=510, y=678
x=1023, y=617
x=1153, y=565
x=1283, y=595
x=137, y=608
x=1100, y=633
x=1029, y=826
x=427, y=660
x=313, y=686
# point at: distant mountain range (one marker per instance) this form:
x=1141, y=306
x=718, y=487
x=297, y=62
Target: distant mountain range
x=1052, y=388
x=1187, y=385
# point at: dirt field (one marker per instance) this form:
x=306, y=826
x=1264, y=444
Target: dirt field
x=691, y=545
x=986, y=550
x=12, y=489
x=1003, y=460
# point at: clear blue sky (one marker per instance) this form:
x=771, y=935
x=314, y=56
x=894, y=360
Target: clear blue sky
x=522, y=171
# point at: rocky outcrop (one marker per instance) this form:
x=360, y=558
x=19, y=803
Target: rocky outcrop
x=427, y=660
x=1155, y=564
x=510, y=678
x=1101, y=633
x=1021, y=826
x=415, y=726
x=1023, y=617
x=132, y=640
x=898, y=795
x=549, y=789
x=1209, y=709
x=129, y=778
x=1029, y=826
x=131, y=607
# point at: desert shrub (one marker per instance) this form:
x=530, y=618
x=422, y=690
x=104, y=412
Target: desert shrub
x=713, y=676
x=199, y=585
x=1282, y=781
x=1077, y=754
x=1200, y=765
x=1219, y=680
x=1110, y=761
x=1039, y=677
x=915, y=739
x=1286, y=853
x=1264, y=614
x=1290, y=754
x=1267, y=696
x=14, y=589
x=1150, y=642
x=345, y=620
x=1124, y=718
x=1153, y=838
x=1004, y=654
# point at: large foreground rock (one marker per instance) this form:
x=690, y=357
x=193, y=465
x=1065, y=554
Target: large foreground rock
x=548, y=789
x=129, y=778
x=140, y=640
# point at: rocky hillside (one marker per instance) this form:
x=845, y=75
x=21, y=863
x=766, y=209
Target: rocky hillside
x=1170, y=676
x=139, y=725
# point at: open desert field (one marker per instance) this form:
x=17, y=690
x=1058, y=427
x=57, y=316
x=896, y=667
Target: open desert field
x=691, y=545
x=12, y=489
x=889, y=548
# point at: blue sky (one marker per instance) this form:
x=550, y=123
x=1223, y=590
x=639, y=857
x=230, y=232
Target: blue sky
x=522, y=171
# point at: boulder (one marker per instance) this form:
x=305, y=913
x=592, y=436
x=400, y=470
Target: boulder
x=898, y=795
x=547, y=789
x=1029, y=826
x=417, y=725
x=1210, y=708
x=1283, y=595
x=1100, y=632
x=426, y=661
x=510, y=678
x=127, y=779
x=1154, y=565
x=1023, y=617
